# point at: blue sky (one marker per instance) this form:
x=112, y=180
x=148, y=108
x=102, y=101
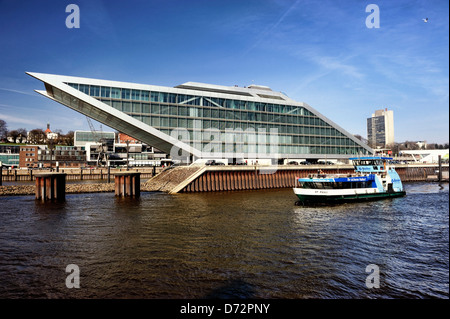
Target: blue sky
x=318, y=52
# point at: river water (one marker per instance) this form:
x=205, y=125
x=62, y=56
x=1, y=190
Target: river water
x=243, y=244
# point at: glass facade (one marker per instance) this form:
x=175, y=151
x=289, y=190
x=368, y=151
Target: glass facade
x=299, y=130
x=9, y=159
x=82, y=137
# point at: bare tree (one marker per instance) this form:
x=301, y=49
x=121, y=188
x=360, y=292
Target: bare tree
x=37, y=136
x=22, y=134
x=3, y=130
x=13, y=135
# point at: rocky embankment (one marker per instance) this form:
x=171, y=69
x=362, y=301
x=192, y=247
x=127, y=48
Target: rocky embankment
x=12, y=190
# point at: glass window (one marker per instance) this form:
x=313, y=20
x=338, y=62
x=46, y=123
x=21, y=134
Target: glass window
x=106, y=102
x=182, y=110
x=135, y=95
x=182, y=123
x=291, y=119
x=126, y=107
x=154, y=97
x=84, y=88
x=164, y=109
x=206, y=124
x=74, y=85
x=147, y=120
x=206, y=112
x=145, y=95
x=137, y=107
x=155, y=121
x=95, y=90
x=126, y=94
x=264, y=117
x=105, y=91
x=192, y=100
x=117, y=105
x=216, y=102
x=137, y=117
x=164, y=122
x=172, y=98
x=173, y=122
x=163, y=97
x=173, y=110
x=155, y=108
x=181, y=98
x=115, y=93
x=251, y=106
x=193, y=111
x=145, y=108
x=222, y=125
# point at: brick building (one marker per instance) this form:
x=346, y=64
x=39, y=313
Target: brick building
x=28, y=155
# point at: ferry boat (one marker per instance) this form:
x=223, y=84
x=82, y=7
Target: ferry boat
x=373, y=179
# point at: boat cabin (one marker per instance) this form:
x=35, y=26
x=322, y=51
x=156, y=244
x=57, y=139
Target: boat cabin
x=375, y=164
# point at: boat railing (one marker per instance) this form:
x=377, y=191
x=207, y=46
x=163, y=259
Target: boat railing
x=318, y=175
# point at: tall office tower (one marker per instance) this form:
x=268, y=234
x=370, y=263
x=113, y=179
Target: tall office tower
x=380, y=128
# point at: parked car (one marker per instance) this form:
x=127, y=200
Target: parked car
x=293, y=163
x=213, y=162
x=305, y=163
x=325, y=163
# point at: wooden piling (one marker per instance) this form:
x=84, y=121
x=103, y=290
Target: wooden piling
x=127, y=184
x=50, y=186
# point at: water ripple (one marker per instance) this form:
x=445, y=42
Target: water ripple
x=225, y=245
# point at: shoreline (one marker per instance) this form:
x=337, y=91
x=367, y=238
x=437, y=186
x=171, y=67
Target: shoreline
x=23, y=190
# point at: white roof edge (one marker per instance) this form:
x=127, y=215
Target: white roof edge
x=139, y=86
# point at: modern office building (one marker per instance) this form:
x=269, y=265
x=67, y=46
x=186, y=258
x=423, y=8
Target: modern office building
x=200, y=121
x=380, y=128
x=81, y=138
x=9, y=155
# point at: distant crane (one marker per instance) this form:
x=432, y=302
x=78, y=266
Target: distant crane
x=102, y=154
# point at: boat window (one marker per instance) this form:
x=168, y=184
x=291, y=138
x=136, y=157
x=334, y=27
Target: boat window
x=336, y=185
